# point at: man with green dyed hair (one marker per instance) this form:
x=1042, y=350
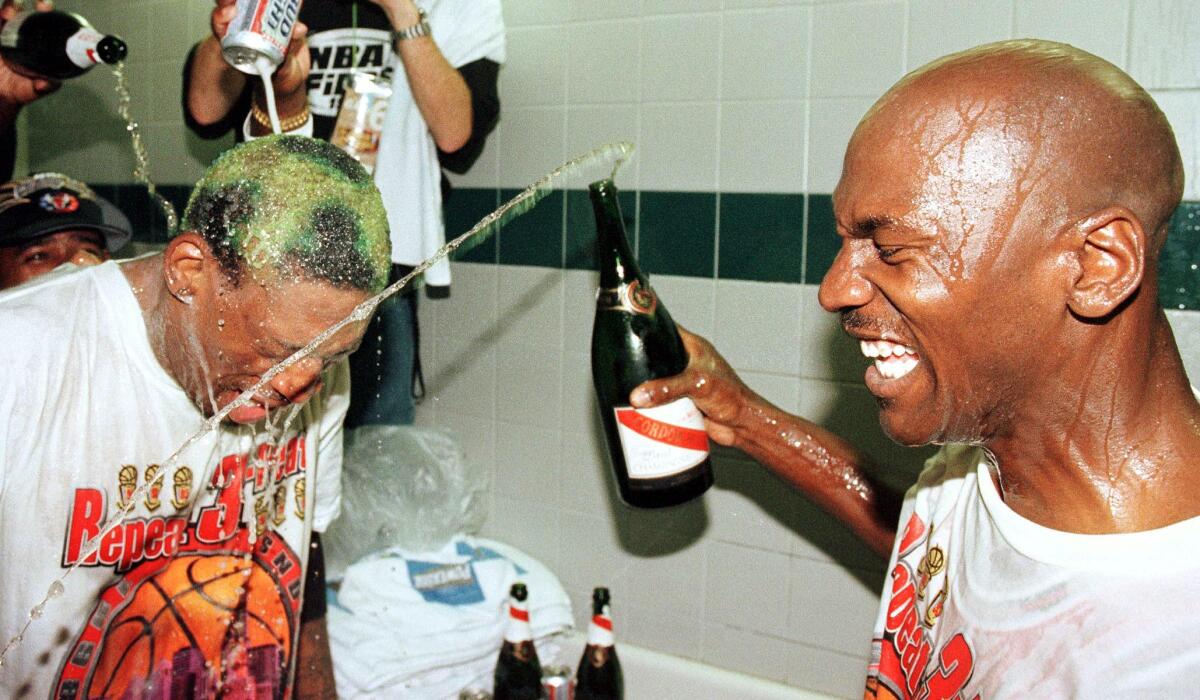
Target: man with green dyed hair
x=188, y=567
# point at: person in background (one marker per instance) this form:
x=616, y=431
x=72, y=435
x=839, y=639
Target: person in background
x=1001, y=212
x=16, y=91
x=186, y=553
x=49, y=219
x=442, y=63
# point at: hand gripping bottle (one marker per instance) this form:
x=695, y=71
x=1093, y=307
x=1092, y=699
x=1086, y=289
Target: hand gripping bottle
x=659, y=455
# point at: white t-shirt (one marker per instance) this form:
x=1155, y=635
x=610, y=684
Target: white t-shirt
x=407, y=172
x=88, y=415
x=983, y=603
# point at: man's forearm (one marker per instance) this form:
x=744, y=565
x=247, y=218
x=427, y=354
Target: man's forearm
x=439, y=90
x=826, y=468
x=214, y=86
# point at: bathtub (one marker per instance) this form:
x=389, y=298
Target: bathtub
x=650, y=675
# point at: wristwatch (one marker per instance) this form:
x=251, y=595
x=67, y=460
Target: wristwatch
x=421, y=28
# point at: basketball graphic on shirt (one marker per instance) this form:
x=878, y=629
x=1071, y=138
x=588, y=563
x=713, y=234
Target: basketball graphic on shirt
x=197, y=617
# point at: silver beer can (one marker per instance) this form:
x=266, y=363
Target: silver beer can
x=260, y=29
x=556, y=681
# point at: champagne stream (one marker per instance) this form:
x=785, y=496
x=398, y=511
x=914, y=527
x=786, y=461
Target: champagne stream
x=618, y=153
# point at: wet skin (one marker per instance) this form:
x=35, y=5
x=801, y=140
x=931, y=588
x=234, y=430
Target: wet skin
x=217, y=339
x=943, y=251
x=22, y=262
x=1010, y=254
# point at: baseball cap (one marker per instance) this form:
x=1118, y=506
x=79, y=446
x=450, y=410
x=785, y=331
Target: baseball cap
x=47, y=203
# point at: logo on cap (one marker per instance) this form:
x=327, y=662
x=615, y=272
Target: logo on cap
x=59, y=202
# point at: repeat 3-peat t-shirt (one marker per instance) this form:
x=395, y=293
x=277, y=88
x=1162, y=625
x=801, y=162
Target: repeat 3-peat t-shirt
x=174, y=594
x=982, y=603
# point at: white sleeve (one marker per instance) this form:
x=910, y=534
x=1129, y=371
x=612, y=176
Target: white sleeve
x=335, y=398
x=468, y=30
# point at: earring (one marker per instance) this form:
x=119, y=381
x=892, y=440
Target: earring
x=184, y=295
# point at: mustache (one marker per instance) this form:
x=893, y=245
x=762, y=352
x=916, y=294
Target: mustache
x=856, y=320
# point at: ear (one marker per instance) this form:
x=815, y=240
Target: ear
x=1110, y=259
x=184, y=261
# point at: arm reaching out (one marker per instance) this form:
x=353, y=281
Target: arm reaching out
x=214, y=86
x=825, y=467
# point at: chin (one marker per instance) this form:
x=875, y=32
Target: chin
x=905, y=429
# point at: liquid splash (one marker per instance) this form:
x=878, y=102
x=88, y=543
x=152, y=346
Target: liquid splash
x=618, y=153
x=141, y=166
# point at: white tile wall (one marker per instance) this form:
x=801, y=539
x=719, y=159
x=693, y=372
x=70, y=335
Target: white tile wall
x=729, y=95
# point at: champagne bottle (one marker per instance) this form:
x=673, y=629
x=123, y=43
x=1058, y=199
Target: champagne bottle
x=518, y=673
x=659, y=455
x=56, y=45
x=599, y=675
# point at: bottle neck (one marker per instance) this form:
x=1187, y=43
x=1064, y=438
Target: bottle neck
x=600, y=630
x=517, y=628
x=614, y=255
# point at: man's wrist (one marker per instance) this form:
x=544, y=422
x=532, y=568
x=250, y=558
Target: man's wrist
x=403, y=15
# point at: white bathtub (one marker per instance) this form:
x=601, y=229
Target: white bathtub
x=650, y=675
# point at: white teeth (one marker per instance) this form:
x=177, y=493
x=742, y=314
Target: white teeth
x=884, y=348
x=896, y=368
x=891, y=359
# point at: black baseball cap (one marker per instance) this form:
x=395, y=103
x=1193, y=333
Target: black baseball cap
x=47, y=203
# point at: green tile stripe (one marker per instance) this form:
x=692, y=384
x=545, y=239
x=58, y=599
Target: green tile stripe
x=723, y=235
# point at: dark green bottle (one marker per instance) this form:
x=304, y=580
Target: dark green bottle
x=599, y=676
x=518, y=673
x=659, y=455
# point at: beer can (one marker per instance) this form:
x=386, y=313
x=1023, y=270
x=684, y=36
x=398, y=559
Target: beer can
x=556, y=681
x=260, y=29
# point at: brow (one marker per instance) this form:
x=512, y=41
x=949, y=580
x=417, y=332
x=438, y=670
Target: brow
x=867, y=226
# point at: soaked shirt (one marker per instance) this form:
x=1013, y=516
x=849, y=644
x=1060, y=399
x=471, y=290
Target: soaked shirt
x=187, y=571
x=983, y=603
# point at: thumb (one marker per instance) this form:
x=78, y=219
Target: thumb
x=658, y=391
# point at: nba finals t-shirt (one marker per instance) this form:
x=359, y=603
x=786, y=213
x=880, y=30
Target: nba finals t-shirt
x=200, y=582
x=983, y=603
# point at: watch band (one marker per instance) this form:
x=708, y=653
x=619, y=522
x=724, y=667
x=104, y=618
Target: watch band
x=421, y=28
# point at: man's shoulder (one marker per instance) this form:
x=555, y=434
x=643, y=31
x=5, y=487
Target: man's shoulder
x=44, y=314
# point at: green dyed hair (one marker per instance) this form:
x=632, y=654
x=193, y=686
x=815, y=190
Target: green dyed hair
x=295, y=205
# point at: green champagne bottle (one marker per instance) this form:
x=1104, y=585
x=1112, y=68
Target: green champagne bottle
x=659, y=455
x=599, y=676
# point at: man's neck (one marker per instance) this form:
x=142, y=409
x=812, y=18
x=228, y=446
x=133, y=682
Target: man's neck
x=1112, y=447
x=145, y=279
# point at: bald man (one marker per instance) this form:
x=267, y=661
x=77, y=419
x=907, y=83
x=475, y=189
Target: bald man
x=1001, y=213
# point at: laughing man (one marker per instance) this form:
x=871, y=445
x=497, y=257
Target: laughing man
x=1001, y=212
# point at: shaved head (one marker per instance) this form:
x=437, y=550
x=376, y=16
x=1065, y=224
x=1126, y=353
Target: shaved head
x=1078, y=133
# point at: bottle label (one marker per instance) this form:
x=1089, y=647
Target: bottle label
x=661, y=441
x=600, y=631
x=81, y=47
x=518, y=629
x=632, y=297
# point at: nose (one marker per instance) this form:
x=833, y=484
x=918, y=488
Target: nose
x=84, y=258
x=299, y=381
x=844, y=287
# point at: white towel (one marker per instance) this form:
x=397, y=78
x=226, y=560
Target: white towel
x=433, y=621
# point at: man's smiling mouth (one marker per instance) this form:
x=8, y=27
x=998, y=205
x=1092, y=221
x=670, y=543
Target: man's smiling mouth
x=893, y=360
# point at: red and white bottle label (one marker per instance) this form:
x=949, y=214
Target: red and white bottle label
x=81, y=47
x=518, y=628
x=663, y=440
x=600, y=631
